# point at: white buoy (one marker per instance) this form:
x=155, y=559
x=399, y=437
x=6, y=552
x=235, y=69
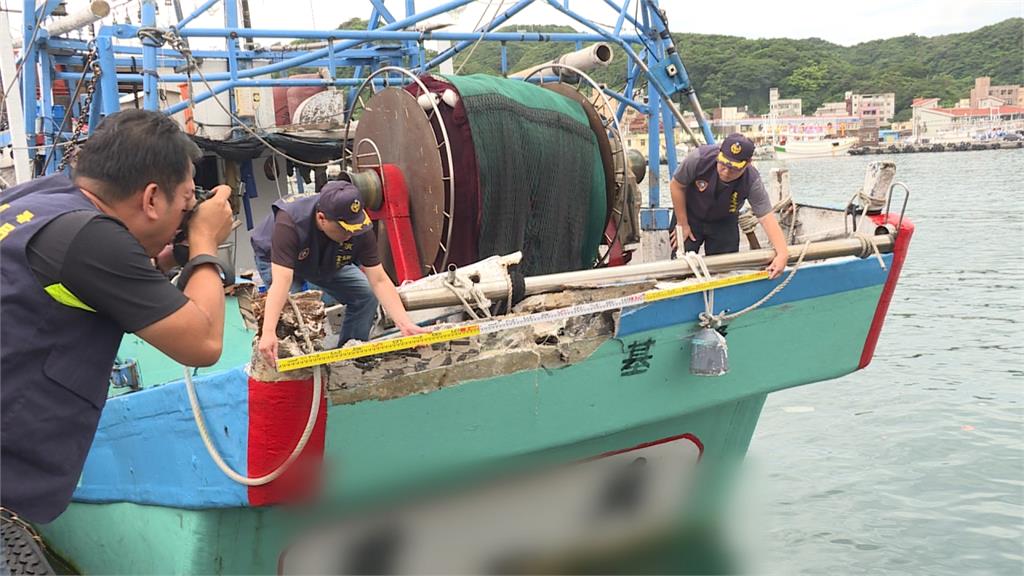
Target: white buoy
x=450, y=98
x=428, y=100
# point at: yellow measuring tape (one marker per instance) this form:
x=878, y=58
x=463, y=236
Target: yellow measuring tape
x=655, y=295
x=461, y=332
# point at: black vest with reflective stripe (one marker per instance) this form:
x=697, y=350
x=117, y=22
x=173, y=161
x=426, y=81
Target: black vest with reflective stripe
x=54, y=364
x=705, y=200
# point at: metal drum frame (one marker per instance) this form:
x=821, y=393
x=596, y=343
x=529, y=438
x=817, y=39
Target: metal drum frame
x=441, y=143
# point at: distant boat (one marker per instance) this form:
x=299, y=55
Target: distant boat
x=764, y=152
x=790, y=149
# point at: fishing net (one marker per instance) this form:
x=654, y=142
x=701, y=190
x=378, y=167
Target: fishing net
x=542, y=187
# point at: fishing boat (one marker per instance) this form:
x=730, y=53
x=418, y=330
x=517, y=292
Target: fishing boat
x=582, y=398
x=792, y=148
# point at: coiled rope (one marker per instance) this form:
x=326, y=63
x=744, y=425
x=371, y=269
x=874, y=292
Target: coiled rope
x=314, y=411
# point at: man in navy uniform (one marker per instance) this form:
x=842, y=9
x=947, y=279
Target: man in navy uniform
x=77, y=263
x=325, y=239
x=708, y=191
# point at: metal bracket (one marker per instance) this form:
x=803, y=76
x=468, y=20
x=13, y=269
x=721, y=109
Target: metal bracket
x=903, y=210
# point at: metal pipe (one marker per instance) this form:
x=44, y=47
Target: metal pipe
x=435, y=297
x=97, y=10
x=150, y=98
x=587, y=59
x=19, y=138
x=131, y=32
x=29, y=79
x=184, y=21
x=389, y=33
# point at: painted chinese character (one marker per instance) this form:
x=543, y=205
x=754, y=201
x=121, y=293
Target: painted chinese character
x=638, y=359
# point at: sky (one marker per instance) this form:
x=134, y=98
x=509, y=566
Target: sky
x=845, y=23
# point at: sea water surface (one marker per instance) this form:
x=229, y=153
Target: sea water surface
x=914, y=465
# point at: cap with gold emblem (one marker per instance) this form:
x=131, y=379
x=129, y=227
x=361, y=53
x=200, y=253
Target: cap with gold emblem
x=340, y=201
x=736, y=151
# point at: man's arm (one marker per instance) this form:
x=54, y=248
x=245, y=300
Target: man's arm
x=194, y=334
x=677, y=186
x=778, y=240
x=385, y=292
x=679, y=207
x=761, y=206
x=277, y=295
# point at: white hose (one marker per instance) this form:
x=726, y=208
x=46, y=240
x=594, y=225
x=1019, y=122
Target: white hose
x=314, y=411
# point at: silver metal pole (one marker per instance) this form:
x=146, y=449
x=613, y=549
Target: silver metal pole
x=15, y=113
x=435, y=297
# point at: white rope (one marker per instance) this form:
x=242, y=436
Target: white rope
x=481, y=299
x=701, y=273
x=469, y=307
x=314, y=411
x=712, y=321
x=477, y=28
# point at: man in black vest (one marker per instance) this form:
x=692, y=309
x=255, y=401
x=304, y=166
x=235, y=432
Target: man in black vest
x=77, y=262
x=325, y=239
x=708, y=191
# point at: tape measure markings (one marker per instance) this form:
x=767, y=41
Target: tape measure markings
x=379, y=347
x=655, y=295
x=490, y=327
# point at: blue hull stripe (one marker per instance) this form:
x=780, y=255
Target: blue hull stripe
x=148, y=450
x=809, y=282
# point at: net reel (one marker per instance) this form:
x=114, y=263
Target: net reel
x=413, y=135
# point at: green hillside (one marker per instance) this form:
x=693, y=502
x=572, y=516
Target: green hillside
x=733, y=71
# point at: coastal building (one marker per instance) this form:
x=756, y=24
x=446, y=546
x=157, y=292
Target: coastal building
x=1010, y=95
x=877, y=107
x=880, y=107
x=832, y=109
x=635, y=134
x=932, y=123
x=779, y=107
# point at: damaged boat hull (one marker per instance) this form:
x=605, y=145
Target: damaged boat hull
x=623, y=383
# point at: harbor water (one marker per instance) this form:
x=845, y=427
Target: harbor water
x=914, y=465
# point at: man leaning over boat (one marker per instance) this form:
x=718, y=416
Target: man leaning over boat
x=325, y=239
x=708, y=191
x=77, y=260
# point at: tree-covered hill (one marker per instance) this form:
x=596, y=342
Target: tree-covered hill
x=733, y=71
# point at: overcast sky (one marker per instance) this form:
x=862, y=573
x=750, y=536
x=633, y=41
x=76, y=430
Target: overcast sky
x=845, y=23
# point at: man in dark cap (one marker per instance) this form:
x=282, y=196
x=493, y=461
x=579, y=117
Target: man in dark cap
x=708, y=191
x=320, y=238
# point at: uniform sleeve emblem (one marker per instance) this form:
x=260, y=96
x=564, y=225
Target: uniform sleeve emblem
x=702, y=185
x=304, y=254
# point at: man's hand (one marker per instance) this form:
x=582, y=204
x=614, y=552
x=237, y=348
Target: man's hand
x=268, y=348
x=410, y=328
x=683, y=233
x=211, y=222
x=778, y=265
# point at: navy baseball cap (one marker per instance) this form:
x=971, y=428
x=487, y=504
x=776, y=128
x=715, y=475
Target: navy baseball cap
x=340, y=201
x=736, y=151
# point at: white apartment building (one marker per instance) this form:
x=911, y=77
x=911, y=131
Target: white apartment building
x=783, y=108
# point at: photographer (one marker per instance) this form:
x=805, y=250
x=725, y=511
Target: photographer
x=77, y=270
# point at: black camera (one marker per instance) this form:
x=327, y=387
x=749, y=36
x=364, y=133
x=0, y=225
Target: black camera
x=179, y=246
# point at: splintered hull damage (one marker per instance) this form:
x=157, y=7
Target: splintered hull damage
x=400, y=424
